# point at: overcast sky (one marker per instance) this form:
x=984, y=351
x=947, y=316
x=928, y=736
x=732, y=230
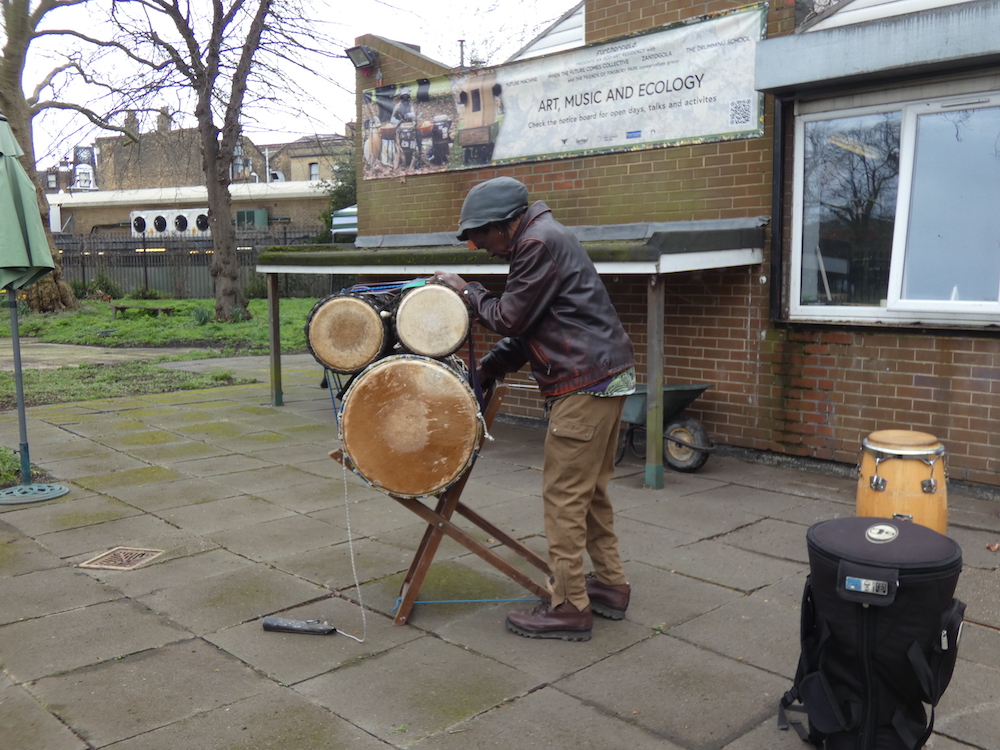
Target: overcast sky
x=493, y=28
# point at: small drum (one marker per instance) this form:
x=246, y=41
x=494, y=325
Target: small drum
x=406, y=135
x=410, y=426
x=899, y=477
x=441, y=129
x=388, y=132
x=432, y=320
x=348, y=331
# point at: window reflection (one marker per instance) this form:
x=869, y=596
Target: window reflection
x=953, y=233
x=851, y=178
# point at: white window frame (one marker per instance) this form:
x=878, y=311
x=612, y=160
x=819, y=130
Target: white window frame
x=896, y=311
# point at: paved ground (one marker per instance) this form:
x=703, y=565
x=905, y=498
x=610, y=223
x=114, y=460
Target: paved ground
x=254, y=519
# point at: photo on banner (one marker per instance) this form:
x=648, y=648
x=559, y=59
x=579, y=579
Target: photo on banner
x=691, y=82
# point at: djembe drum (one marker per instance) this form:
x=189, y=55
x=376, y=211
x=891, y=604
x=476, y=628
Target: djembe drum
x=431, y=320
x=410, y=425
x=898, y=477
x=349, y=330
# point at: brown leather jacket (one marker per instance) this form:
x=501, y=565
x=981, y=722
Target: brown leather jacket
x=554, y=311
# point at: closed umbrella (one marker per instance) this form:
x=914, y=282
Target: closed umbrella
x=24, y=259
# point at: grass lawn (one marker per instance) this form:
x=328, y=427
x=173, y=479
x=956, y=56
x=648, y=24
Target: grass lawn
x=92, y=324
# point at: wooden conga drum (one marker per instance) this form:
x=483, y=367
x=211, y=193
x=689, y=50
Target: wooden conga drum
x=431, y=320
x=348, y=331
x=410, y=426
x=903, y=474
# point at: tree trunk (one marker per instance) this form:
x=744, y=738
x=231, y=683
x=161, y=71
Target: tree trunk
x=230, y=302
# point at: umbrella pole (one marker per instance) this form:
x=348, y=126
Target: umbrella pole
x=19, y=388
x=26, y=492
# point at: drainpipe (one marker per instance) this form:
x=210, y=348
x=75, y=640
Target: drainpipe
x=777, y=208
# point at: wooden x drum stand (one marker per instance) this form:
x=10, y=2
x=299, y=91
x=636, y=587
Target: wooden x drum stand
x=439, y=525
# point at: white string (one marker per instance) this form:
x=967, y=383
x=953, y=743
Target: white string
x=350, y=547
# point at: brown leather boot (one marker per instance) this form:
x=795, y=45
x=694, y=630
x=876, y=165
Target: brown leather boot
x=565, y=622
x=608, y=601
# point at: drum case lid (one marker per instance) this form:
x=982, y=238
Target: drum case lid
x=872, y=557
x=883, y=542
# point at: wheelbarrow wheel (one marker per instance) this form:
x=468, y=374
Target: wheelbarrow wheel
x=620, y=450
x=685, y=457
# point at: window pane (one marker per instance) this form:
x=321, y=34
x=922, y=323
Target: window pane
x=851, y=175
x=953, y=237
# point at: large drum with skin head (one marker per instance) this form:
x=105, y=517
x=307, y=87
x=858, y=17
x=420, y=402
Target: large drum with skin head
x=432, y=320
x=903, y=475
x=410, y=425
x=348, y=331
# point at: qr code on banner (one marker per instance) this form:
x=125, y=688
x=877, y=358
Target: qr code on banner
x=739, y=112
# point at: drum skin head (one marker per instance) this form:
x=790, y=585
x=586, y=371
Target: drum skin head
x=345, y=333
x=410, y=425
x=432, y=320
x=889, y=439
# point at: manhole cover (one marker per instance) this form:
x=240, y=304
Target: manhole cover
x=122, y=558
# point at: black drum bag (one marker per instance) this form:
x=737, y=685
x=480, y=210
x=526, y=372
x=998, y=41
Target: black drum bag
x=880, y=630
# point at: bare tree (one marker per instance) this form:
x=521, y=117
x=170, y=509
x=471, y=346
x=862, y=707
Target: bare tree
x=219, y=53
x=20, y=29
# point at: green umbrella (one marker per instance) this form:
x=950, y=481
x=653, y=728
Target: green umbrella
x=24, y=259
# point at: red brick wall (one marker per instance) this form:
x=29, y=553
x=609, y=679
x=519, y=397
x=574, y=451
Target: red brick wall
x=806, y=391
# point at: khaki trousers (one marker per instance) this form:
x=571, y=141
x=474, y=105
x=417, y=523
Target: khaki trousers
x=579, y=463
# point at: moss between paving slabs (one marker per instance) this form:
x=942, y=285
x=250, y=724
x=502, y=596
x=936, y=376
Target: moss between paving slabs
x=150, y=437
x=145, y=475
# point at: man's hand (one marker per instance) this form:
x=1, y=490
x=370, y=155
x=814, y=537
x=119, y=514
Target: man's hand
x=451, y=279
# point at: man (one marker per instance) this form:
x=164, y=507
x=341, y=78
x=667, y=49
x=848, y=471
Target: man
x=556, y=315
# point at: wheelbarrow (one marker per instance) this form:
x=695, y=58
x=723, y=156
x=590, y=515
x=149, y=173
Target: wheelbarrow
x=686, y=446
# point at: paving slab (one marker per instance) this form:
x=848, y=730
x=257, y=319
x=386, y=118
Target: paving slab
x=779, y=539
x=19, y=555
x=65, y=641
x=145, y=531
x=46, y=592
x=969, y=709
x=136, y=694
x=170, y=569
x=698, y=515
x=663, y=598
x=221, y=601
x=69, y=512
x=715, y=562
x=272, y=540
x=420, y=688
x=751, y=629
x=687, y=695
x=164, y=495
x=25, y=725
x=211, y=516
x=546, y=719
x=275, y=719
x=290, y=658
x=335, y=567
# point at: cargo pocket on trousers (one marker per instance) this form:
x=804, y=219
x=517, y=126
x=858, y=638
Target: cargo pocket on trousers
x=571, y=430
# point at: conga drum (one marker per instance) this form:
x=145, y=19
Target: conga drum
x=410, y=426
x=431, y=320
x=348, y=331
x=903, y=475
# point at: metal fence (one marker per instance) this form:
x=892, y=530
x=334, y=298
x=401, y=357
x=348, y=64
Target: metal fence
x=178, y=267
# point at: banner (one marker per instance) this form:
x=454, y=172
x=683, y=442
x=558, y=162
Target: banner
x=688, y=83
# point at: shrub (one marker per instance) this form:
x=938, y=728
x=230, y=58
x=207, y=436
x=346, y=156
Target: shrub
x=102, y=287
x=202, y=315
x=79, y=288
x=256, y=288
x=143, y=292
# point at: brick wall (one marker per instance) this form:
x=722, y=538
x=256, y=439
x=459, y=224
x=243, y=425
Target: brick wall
x=808, y=391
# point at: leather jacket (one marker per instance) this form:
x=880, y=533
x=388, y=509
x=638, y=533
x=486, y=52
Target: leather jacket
x=554, y=312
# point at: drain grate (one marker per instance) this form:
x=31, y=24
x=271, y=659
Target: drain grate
x=122, y=558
